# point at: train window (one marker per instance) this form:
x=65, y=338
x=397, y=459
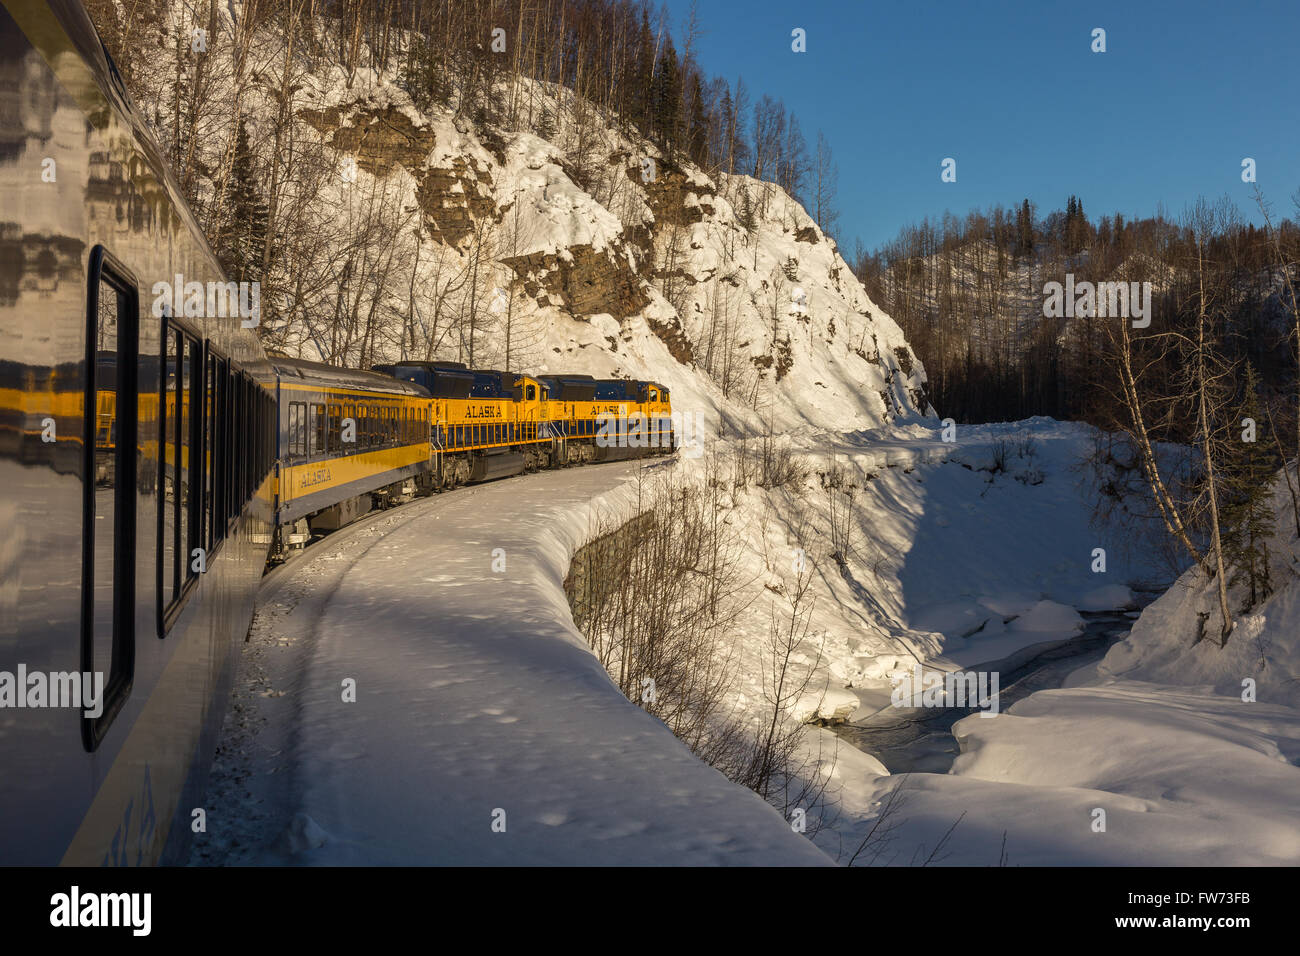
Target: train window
x=248, y=435
x=335, y=419
x=188, y=457
x=532, y=392
x=176, y=452
x=238, y=427
x=318, y=429
x=209, y=424
x=220, y=460
x=250, y=438
x=293, y=429
x=109, y=483
x=167, y=464
x=298, y=428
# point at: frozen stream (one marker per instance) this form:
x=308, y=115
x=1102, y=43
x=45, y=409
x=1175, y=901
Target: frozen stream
x=915, y=739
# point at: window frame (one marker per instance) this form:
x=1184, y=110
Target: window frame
x=103, y=267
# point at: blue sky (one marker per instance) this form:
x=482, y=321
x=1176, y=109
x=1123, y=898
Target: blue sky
x=1014, y=93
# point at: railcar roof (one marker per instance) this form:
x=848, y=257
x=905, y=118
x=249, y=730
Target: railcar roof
x=317, y=373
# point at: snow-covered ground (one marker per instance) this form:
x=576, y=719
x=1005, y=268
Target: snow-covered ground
x=483, y=730
x=476, y=694
x=1169, y=751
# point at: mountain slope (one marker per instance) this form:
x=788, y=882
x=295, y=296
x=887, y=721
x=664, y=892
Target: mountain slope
x=397, y=231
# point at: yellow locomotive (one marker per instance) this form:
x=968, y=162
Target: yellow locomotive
x=488, y=423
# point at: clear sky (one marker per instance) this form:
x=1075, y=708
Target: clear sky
x=1013, y=92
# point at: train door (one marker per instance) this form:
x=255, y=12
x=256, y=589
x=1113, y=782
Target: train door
x=528, y=409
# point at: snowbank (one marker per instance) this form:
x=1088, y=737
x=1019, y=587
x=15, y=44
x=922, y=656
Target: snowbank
x=1176, y=640
x=484, y=730
x=1176, y=777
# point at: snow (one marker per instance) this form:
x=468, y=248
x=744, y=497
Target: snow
x=1048, y=616
x=474, y=695
x=1166, y=644
x=1184, y=778
x=829, y=705
x=1161, y=754
x=1106, y=598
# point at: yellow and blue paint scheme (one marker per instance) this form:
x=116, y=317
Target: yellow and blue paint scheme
x=344, y=433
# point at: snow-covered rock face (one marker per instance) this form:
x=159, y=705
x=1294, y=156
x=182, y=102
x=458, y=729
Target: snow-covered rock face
x=617, y=260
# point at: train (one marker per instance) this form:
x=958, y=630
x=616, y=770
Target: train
x=350, y=440
x=154, y=459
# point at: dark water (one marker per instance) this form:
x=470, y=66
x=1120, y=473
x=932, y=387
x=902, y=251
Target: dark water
x=921, y=740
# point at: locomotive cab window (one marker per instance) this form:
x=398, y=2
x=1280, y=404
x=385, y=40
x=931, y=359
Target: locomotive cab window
x=109, y=487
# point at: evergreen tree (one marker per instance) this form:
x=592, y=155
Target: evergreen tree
x=643, y=78
x=668, y=99
x=1247, y=477
x=1025, y=230
x=424, y=76
x=745, y=213
x=698, y=132
x=245, y=232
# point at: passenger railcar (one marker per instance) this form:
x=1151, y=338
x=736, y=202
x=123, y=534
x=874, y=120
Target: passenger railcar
x=136, y=454
x=348, y=441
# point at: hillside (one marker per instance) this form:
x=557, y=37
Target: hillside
x=566, y=243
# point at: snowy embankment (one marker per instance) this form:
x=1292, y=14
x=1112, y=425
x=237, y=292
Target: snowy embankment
x=1170, y=751
x=483, y=730
x=475, y=694
x=949, y=558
